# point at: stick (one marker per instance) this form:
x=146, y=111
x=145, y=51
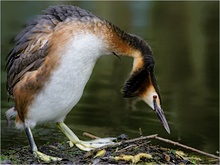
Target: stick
x=123, y=149
x=90, y=135
x=155, y=136
x=187, y=147
x=140, y=138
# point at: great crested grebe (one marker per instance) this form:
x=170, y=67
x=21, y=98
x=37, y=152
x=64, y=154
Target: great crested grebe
x=52, y=61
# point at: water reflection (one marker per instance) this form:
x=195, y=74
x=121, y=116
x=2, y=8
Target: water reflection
x=185, y=50
x=184, y=38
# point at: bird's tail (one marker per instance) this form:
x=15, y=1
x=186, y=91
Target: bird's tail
x=10, y=113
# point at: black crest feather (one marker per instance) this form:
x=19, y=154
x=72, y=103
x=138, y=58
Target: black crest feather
x=139, y=79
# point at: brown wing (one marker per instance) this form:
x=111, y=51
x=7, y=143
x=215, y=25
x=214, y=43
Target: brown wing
x=21, y=63
x=32, y=43
x=30, y=51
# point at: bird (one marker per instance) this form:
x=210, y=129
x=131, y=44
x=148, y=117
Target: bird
x=51, y=63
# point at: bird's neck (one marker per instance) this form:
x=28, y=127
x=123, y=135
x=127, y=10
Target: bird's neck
x=122, y=43
x=130, y=45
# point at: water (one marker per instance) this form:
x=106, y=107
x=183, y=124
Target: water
x=184, y=39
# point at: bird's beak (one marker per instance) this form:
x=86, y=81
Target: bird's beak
x=151, y=97
x=160, y=114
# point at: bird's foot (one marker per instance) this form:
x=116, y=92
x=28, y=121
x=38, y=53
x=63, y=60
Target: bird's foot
x=46, y=158
x=93, y=144
x=84, y=145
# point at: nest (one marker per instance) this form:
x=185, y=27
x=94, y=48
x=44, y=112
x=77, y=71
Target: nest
x=124, y=151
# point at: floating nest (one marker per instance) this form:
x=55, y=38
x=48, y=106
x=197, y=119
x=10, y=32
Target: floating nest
x=125, y=151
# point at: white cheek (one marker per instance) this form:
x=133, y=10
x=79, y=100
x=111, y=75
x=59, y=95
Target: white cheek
x=148, y=98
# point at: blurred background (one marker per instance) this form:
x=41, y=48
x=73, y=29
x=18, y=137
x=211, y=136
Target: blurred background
x=184, y=37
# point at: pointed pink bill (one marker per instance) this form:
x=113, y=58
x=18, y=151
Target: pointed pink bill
x=160, y=114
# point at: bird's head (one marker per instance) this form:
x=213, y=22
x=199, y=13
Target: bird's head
x=142, y=83
x=151, y=96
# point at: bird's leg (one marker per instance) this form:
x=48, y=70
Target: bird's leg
x=38, y=154
x=84, y=145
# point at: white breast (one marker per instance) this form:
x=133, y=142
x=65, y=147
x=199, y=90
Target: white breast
x=66, y=85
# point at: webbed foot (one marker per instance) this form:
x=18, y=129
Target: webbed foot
x=45, y=158
x=93, y=144
x=84, y=145
x=38, y=154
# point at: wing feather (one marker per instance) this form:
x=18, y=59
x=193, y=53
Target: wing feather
x=32, y=44
x=23, y=63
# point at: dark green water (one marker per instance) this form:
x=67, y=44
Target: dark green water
x=184, y=37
